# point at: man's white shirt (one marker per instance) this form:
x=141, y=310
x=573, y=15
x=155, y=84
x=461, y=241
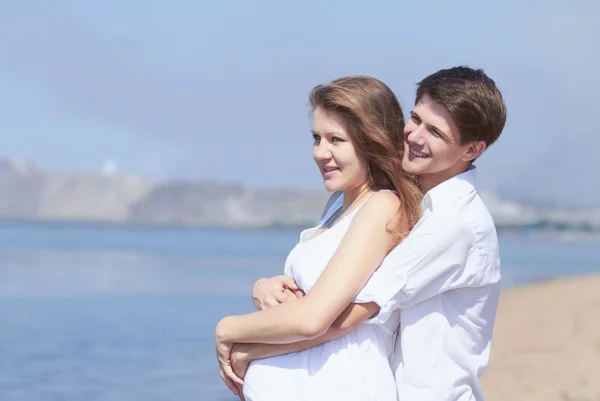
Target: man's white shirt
x=445, y=279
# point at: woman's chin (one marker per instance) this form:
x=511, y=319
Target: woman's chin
x=331, y=186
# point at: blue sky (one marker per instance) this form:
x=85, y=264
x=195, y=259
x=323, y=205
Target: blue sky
x=218, y=90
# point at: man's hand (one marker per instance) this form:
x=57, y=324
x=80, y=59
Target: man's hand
x=268, y=292
x=233, y=382
x=241, y=356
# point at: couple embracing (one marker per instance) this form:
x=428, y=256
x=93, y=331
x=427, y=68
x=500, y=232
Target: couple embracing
x=393, y=295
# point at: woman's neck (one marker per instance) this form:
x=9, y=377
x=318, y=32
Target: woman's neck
x=351, y=196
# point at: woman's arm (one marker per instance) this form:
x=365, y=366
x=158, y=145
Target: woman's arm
x=362, y=250
x=354, y=315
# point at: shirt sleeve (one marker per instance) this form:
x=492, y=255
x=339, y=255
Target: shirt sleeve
x=430, y=261
x=287, y=269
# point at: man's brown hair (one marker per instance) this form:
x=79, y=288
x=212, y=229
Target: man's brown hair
x=471, y=98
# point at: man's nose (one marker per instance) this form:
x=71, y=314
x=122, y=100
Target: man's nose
x=417, y=136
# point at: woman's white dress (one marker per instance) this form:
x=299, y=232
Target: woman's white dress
x=354, y=367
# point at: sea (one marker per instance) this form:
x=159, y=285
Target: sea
x=127, y=313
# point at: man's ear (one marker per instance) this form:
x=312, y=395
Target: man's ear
x=474, y=150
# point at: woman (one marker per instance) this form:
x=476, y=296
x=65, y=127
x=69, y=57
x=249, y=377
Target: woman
x=358, y=145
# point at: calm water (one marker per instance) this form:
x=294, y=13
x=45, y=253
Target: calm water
x=121, y=313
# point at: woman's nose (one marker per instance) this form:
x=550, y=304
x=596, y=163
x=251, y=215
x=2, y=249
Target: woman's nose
x=321, y=152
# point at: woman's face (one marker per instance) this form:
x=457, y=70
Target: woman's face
x=340, y=165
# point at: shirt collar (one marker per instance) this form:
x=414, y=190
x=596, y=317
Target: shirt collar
x=452, y=188
x=339, y=202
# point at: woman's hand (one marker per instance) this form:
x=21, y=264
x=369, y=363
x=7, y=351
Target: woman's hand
x=233, y=382
x=269, y=292
x=363, y=248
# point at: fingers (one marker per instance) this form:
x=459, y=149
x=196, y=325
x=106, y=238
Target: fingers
x=239, y=368
x=277, y=297
x=225, y=370
x=272, y=300
x=285, y=295
x=232, y=376
x=263, y=290
x=259, y=304
x=242, y=398
x=268, y=292
x=289, y=282
x=264, y=301
x=229, y=383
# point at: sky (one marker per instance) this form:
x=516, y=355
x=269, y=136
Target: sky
x=219, y=90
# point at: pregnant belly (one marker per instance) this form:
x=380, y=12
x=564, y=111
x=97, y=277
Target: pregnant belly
x=354, y=367
x=283, y=377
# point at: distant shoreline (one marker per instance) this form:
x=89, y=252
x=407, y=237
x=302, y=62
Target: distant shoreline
x=34, y=194
x=150, y=225
x=530, y=231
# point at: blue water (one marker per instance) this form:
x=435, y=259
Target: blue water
x=125, y=313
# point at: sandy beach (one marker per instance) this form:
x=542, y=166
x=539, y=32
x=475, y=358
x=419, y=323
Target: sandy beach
x=546, y=344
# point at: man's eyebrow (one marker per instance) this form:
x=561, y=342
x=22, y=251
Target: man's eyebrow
x=431, y=126
x=440, y=131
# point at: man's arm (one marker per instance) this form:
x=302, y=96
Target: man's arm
x=429, y=262
x=349, y=320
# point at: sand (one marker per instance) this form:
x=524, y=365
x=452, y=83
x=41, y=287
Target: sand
x=546, y=344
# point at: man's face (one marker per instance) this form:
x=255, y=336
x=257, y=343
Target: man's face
x=432, y=143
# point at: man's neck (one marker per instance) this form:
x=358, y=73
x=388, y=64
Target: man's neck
x=429, y=181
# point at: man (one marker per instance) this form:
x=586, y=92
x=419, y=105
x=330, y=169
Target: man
x=445, y=275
